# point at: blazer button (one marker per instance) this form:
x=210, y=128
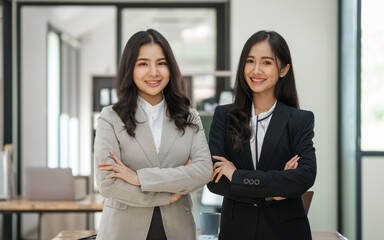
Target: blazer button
x=251, y=181
x=246, y=181
x=257, y=181
x=255, y=204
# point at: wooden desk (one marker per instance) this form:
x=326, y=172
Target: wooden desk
x=91, y=203
x=73, y=235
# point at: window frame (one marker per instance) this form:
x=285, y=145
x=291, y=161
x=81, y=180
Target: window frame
x=350, y=152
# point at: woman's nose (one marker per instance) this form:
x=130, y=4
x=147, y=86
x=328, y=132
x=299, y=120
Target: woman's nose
x=257, y=69
x=153, y=71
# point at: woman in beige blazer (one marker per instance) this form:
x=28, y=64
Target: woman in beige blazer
x=150, y=148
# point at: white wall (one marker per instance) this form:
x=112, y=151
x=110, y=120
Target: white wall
x=33, y=97
x=33, y=87
x=310, y=28
x=372, y=208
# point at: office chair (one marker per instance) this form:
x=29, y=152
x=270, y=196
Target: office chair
x=307, y=199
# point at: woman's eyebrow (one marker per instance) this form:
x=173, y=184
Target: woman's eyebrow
x=142, y=59
x=264, y=57
x=147, y=59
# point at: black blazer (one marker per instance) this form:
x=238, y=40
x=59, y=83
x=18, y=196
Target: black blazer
x=245, y=212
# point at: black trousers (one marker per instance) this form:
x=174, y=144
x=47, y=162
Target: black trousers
x=156, y=229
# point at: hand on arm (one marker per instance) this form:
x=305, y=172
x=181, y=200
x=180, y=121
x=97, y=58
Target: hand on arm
x=120, y=170
x=222, y=167
x=128, y=175
x=291, y=164
x=107, y=139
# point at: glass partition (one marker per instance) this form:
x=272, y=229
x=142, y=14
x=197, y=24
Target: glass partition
x=190, y=32
x=192, y=36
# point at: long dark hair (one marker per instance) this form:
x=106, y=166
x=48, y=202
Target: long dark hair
x=285, y=89
x=174, y=93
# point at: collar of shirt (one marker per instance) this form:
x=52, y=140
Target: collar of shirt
x=153, y=112
x=261, y=115
x=155, y=119
x=263, y=125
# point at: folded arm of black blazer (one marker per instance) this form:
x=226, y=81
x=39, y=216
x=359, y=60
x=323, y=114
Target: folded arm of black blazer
x=217, y=146
x=272, y=183
x=289, y=183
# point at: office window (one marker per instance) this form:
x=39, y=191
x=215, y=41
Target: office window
x=372, y=75
x=361, y=117
x=70, y=97
x=63, y=97
x=53, y=95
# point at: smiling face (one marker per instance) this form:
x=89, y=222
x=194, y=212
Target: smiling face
x=261, y=71
x=151, y=73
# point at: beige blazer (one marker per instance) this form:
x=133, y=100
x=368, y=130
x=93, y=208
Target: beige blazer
x=128, y=209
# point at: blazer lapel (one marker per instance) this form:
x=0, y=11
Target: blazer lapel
x=242, y=159
x=246, y=158
x=168, y=135
x=275, y=129
x=144, y=137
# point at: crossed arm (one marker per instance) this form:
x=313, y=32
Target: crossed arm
x=116, y=180
x=293, y=181
x=119, y=170
x=226, y=168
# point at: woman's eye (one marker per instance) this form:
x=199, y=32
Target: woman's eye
x=249, y=61
x=162, y=63
x=267, y=63
x=142, y=64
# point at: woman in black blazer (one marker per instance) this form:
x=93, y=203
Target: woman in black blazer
x=262, y=148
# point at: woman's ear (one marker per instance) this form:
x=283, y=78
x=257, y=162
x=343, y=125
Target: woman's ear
x=284, y=70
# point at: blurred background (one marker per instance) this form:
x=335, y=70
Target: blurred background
x=59, y=58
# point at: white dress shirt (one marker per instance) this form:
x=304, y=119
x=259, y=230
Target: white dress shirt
x=261, y=130
x=155, y=119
